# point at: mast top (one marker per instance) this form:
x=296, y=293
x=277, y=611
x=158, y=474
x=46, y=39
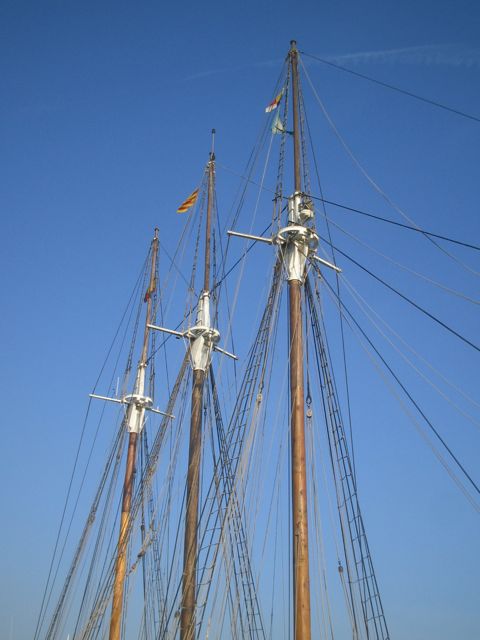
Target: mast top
x=212, y=152
x=293, y=45
x=155, y=234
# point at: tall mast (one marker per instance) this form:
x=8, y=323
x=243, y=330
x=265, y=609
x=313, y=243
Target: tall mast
x=301, y=577
x=200, y=351
x=137, y=403
x=298, y=242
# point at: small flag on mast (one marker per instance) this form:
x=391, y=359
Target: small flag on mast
x=150, y=291
x=189, y=202
x=277, y=126
x=274, y=103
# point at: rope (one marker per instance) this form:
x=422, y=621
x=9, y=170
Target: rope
x=404, y=267
x=433, y=103
x=409, y=396
x=411, y=302
x=361, y=302
x=46, y=599
x=371, y=181
x=397, y=224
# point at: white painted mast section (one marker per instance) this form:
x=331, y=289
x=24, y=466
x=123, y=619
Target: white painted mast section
x=203, y=336
x=137, y=402
x=298, y=241
x=189, y=333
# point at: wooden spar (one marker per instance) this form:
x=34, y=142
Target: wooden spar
x=121, y=561
x=301, y=577
x=189, y=588
x=190, y=550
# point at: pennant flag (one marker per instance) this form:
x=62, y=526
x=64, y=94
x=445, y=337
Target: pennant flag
x=189, y=202
x=274, y=103
x=277, y=126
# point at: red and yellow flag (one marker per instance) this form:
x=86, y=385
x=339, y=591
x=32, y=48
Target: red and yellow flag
x=189, y=202
x=150, y=291
x=274, y=103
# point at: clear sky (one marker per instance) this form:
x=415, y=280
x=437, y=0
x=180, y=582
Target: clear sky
x=105, y=117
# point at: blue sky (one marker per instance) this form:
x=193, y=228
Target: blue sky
x=105, y=117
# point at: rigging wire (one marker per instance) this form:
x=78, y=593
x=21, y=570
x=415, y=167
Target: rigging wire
x=277, y=199
x=235, y=519
x=237, y=262
x=412, y=350
x=216, y=284
x=44, y=604
x=407, y=393
x=356, y=585
x=360, y=212
x=416, y=424
x=398, y=224
x=347, y=590
x=407, y=299
x=337, y=279
x=253, y=159
x=363, y=305
x=241, y=429
x=433, y=103
x=369, y=179
x=441, y=286
x=159, y=305
x=172, y=262
x=370, y=600
x=325, y=607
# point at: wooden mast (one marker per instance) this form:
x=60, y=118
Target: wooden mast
x=121, y=561
x=301, y=578
x=189, y=587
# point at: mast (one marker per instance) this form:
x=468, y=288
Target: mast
x=200, y=354
x=137, y=403
x=297, y=242
x=301, y=578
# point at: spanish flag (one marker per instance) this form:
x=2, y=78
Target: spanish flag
x=189, y=202
x=274, y=103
